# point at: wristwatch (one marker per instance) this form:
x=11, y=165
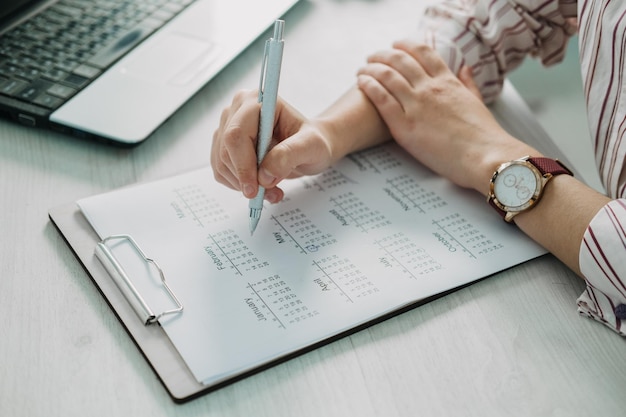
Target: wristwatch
x=518, y=185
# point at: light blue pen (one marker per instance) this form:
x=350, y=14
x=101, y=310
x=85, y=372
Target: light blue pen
x=268, y=95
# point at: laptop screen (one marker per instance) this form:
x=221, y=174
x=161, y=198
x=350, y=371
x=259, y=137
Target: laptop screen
x=9, y=6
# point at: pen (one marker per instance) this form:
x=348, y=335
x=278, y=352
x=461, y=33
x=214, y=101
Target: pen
x=268, y=94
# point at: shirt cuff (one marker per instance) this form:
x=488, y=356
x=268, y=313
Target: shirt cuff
x=603, y=264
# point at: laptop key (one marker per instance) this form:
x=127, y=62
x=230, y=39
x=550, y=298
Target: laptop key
x=48, y=101
x=9, y=70
x=86, y=71
x=28, y=73
x=12, y=87
x=55, y=74
x=72, y=12
x=76, y=81
x=61, y=91
x=33, y=90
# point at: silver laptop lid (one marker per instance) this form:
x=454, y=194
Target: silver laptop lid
x=138, y=93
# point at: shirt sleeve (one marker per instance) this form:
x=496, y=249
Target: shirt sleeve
x=493, y=37
x=603, y=263
x=602, y=258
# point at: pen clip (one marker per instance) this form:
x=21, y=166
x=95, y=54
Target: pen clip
x=263, y=70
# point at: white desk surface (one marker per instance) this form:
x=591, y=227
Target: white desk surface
x=510, y=345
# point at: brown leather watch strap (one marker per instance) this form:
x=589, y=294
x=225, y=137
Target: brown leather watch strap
x=501, y=212
x=549, y=165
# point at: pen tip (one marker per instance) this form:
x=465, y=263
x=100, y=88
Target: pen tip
x=253, y=223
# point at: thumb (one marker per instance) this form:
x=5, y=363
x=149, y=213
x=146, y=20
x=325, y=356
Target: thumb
x=305, y=153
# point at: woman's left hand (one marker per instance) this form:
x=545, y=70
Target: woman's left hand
x=436, y=116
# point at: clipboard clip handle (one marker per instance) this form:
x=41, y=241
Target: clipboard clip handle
x=125, y=284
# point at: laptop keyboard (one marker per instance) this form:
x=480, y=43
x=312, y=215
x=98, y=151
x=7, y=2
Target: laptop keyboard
x=49, y=58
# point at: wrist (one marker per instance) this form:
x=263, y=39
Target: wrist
x=351, y=124
x=518, y=185
x=503, y=149
x=328, y=131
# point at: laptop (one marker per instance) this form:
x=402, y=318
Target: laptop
x=115, y=70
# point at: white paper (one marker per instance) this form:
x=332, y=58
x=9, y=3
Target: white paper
x=365, y=238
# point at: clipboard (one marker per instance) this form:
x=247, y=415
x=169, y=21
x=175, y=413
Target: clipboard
x=152, y=340
x=144, y=330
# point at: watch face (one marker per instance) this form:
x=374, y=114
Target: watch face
x=516, y=186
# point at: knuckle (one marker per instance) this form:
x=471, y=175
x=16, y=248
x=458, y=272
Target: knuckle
x=242, y=95
x=384, y=72
x=231, y=135
x=218, y=177
x=222, y=179
x=422, y=48
x=223, y=155
x=226, y=110
x=396, y=57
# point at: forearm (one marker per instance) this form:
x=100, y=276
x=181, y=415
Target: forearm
x=352, y=123
x=558, y=222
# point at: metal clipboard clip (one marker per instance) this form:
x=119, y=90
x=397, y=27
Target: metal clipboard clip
x=116, y=271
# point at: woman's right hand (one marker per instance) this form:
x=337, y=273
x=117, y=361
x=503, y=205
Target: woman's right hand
x=299, y=147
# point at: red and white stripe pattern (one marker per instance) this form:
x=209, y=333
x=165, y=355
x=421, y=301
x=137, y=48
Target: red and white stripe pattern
x=602, y=47
x=603, y=262
x=493, y=37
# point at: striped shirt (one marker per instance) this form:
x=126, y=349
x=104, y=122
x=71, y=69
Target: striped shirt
x=493, y=37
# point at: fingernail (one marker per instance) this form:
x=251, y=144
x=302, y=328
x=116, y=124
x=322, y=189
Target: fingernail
x=271, y=197
x=248, y=190
x=265, y=178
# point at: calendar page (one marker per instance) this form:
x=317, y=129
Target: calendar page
x=367, y=237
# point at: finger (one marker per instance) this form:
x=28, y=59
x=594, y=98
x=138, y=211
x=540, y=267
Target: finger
x=392, y=81
x=238, y=142
x=400, y=61
x=301, y=154
x=274, y=195
x=429, y=59
x=227, y=178
x=220, y=162
x=466, y=77
x=385, y=74
x=388, y=106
